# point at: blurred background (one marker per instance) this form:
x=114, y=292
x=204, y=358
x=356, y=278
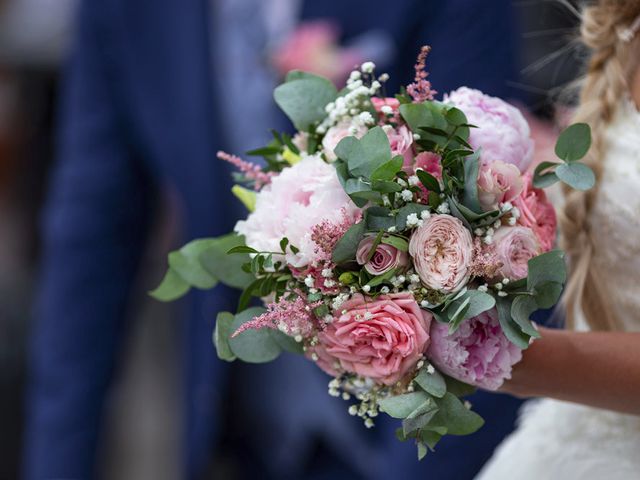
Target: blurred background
x=141, y=442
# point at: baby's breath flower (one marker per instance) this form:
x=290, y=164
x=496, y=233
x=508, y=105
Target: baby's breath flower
x=368, y=67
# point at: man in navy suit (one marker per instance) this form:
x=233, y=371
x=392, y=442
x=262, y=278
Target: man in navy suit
x=140, y=110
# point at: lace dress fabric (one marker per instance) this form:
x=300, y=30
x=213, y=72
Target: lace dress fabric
x=564, y=441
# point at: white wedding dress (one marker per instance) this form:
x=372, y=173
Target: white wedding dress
x=564, y=441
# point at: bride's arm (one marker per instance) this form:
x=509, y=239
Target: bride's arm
x=601, y=369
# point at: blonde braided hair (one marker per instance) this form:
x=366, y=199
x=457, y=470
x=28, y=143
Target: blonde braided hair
x=613, y=61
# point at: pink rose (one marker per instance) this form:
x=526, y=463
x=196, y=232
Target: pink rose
x=477, y=353
x=514, y=247
x=442, y=252
x=335, y=134
x=537, y=213
x=384, y=259
x=503, y=132
x=390, y=102
x=382, y=338
x=498, y=182
x=429, y=162
x=401, y=142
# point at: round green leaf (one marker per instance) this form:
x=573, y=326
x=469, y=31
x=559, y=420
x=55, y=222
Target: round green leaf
x=401, y=406
x=576, y=175
x=253, y=346
x=574, y=142
x=221, y=334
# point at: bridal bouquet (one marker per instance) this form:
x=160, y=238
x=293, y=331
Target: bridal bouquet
x=398, y=242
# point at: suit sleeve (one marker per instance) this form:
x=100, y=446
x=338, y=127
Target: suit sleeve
x=94, y=229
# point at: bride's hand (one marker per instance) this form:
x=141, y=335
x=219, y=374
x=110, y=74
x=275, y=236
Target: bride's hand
x=600, y=369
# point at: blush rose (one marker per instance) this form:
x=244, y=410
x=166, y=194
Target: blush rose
x=382, y=339
x=385, y=257
x=537, y=213
x=514, y=247
x=442, y=252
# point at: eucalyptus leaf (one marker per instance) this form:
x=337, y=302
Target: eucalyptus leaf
x=368, y=154
x=304, y=98
x=400, y=406
x=546, y=295
x=378, y=218
x=345, y=249
x=388, y=170
x=577, y=175
x=253, y=345
x=432, y=383
x=186, y=263
x=470, y=195
x=476, y=302
x=510, y=328
x=172, y=287
x=226, y=268
x=574, y=142
x=458, y=388
x=287, y=343
x=546, y=179
x=547, y=267
x=521, y=309
x=221, y=334
x=457, y=418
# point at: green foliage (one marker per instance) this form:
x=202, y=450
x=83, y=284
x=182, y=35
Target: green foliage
x=346, y=247
x=400, y=406
x=574, y=142
x=171, y=288
x=546, y=179
x=466, y=305
x=303, y=98
x=432, y=383
x=577, y=175
x=470, y=195
x=202, y=264
x=221, y=334
x=366, y=155
x=455, y=417
x=572, y=145
x=253, y=346
x=432, y=411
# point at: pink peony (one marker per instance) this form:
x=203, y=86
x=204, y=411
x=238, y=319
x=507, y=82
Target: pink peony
x=503, y=133
x=537, y=213
x=384, y=259
x=335, y=134
x=498, y=182
x=477, y=353
x=401, y=142
x=442, y=251
x=301, y=197
x=514, y=247
x=382, y=338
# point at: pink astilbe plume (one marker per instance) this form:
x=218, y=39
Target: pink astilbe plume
x=250, y=170
x=326, y=234
x=420, y=90
x=293, y=317
x=485, y=260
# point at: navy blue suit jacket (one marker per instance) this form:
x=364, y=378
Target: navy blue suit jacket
x=138, y=112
